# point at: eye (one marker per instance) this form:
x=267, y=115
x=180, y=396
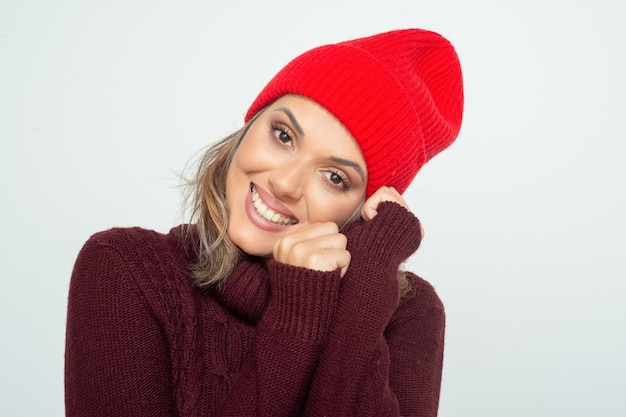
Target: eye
x=283, y=137
x=281, y=133
x=337, y=179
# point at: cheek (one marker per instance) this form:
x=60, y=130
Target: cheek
x=254, y=154
x=333, y=209
x=245, y=160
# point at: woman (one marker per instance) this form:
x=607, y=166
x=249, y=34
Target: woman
x=285, y=296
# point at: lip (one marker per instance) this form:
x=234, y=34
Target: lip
x=271, y=202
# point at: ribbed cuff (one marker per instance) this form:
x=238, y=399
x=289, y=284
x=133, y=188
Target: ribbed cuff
x=389, y=238
x=303, y=301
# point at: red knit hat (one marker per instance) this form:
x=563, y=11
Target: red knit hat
x=399, y=93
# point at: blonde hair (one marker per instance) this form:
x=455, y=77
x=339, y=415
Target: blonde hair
x=206, y=199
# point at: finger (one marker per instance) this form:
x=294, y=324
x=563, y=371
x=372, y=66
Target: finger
x=370, y=208
x=305, y=233
x=301, y=253
x=324, y=256
x=329, y=260
x=312, y=230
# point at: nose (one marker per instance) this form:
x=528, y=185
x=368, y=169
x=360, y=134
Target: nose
x=288, y=181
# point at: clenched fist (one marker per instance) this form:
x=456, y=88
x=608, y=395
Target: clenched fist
x=317, y=246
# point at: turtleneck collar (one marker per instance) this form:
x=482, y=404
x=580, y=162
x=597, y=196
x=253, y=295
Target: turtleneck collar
x=245, y=291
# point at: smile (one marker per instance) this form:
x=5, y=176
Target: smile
x=267, y=213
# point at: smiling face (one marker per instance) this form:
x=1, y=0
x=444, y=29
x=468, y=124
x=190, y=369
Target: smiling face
x=296, y=165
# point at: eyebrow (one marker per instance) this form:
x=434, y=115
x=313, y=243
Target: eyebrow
x=293, y=119
x=354, y=165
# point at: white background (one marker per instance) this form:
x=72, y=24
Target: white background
x=102, y=103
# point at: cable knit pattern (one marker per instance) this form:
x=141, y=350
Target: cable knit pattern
x=272, y=340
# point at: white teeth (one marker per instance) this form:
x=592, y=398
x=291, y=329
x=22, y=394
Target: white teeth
x=267, y=212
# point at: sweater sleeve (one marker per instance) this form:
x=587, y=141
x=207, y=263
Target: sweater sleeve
x=383, y=356
x=289, y=338
x=116, y=357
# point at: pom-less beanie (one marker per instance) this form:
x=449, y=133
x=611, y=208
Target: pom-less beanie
x=399, y=93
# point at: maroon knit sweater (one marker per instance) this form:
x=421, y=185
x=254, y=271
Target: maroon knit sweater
x=278, y=340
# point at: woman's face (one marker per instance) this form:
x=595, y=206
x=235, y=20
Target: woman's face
x=296, y=165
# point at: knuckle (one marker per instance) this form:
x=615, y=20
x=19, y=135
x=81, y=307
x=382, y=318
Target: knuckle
x=331, y=227
x=298, y=251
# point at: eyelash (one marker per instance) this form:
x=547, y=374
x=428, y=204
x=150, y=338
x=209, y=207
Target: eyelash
x=344, y=185
x=277, y=129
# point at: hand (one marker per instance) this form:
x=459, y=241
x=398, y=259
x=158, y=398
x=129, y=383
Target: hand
x=370, y=207
x=317, y=246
